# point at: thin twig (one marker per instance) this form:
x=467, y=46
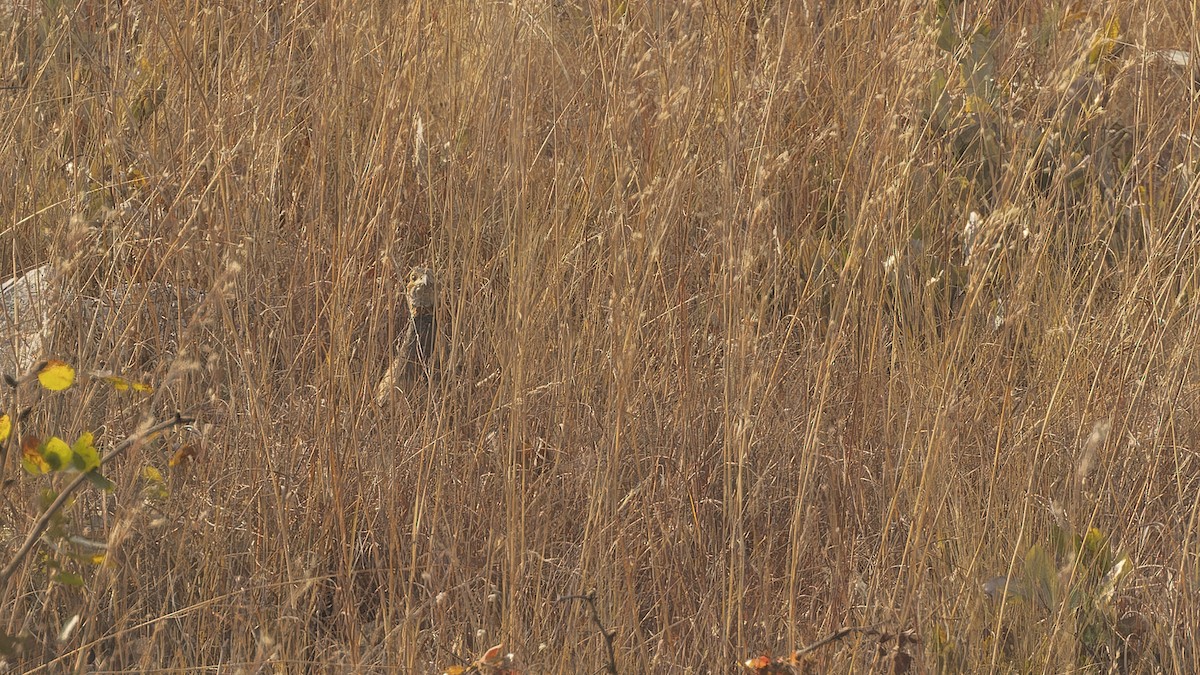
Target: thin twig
x=461, y=661
x=834, y=637
x=43, y=521
x=608, y=635
x=18, y=420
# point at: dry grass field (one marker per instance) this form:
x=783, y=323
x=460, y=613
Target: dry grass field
x=722, y=342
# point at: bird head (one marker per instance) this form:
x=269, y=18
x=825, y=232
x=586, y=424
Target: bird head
x=421, y=290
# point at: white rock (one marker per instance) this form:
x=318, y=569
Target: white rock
x=37, y=304
x=26, y=305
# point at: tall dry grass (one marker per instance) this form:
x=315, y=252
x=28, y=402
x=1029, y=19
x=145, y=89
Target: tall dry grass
x=717, y=349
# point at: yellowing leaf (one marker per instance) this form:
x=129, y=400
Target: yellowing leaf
x=147, y=103
x=31, y=456
x=1107, y=44
x=56, y=375
x=976, y=105
x=491, y=656
x=86, y=456
x=152, y=474
x=69, y=579
x=184, y=454
x=122, y=384
x=454, y=670
x=135, y=177
x=5, y=427
x=117, y=382
x=57, y=453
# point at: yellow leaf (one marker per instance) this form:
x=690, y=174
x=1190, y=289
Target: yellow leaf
x=56, y=375
x=1112, y=30
x=31, y=456
x=57, y=453
x=152, y=474
x=122, y=384
x=454, y=670
x=86, y=455
x=117, y=382
x=5, y=427
x=976, y=104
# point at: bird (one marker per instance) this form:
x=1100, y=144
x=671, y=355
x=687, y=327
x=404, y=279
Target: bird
x=414, y=351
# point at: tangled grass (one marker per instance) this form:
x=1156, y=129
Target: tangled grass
x=763, y=319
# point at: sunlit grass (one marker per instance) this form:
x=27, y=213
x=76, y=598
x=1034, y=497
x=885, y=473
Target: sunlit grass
x=722, y=341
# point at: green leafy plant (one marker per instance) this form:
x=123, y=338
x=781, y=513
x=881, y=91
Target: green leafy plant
x=1075, y=578
x=983, y=119
x=964, y=101
x=66, y=554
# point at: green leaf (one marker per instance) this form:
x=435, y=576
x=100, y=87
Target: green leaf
x=95, y=478
x=69, y=579
x=1042, y=576
x=86, y=456
x=979, y=66
x=947, y=39
x=147, y=103
x=15, y=645
x=46, y=498
x=939, y=99
x=1065, y=542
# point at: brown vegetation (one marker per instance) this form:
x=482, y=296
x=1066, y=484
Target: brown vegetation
x=725, y=345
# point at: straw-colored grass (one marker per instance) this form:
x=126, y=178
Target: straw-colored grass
x=720, y=345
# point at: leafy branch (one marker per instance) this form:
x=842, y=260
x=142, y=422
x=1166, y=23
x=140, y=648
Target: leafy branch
x=145, y=432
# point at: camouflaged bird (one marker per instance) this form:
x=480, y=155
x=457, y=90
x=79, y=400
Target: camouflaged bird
x=414, y=351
